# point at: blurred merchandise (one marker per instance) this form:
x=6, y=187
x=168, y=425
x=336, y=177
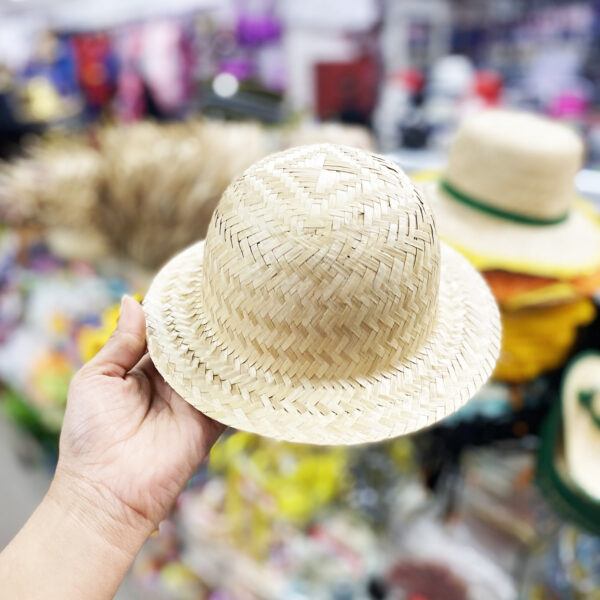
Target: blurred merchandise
x=285, y=518
x=448, y=87
x=397, y=95
x=507, y=201
x=162, y=183
x=49, y=309
x=571, y=568
x=141, y=191
x=488, y=88
x=539, y=339
x=157, y=67
x=327, y=133
x=96, y=69
x=452, y=553
x=415, y=130
x=346, y=91
x=116, y=187
x=55, y=186
x=518, y=290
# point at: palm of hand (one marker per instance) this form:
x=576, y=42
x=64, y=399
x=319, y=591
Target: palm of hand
x=128, y=433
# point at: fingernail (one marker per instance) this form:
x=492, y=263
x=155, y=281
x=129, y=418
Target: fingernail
x=124, y=301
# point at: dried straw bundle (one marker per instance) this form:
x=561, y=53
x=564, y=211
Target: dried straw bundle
x=161, y=182
x=54, y=184
x=146, y=190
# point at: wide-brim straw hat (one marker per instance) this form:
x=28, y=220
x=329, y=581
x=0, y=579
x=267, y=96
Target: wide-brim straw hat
x=507, y=199
x=581, y=415
x=322, y=307
x=568, y=467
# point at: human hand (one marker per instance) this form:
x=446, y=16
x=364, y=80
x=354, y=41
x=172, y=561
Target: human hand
x=129, y=443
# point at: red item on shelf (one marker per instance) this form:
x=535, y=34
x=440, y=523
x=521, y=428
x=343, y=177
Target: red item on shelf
x=413, y=80
x=95, y=71
x=488, y=86
x=347, y=90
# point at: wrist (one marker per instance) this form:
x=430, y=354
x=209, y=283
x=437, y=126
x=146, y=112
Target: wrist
x=98, y=513
x=77, y=544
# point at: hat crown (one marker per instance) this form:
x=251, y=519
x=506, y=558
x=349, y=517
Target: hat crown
x=324, y=261
x=516, y=162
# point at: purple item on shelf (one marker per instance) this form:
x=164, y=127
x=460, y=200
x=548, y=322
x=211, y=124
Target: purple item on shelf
x=254, y=30
x=240, y=68
x=570, y=103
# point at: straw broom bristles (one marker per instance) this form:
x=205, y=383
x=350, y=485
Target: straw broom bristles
x=149, y=189
x=161, y=184
x=144, y=190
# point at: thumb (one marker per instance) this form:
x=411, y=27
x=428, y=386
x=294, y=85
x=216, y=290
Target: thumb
x=126, y=345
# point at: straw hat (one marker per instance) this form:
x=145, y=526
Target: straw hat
x=507, y=199
x=568, y=457
x=321, y=307
x=581, y=414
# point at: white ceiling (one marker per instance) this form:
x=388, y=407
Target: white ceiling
x=96, y=14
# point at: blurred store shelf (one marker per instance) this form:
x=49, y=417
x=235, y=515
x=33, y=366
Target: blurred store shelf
x=588, y=183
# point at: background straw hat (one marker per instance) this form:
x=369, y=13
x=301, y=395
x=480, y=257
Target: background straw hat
x=581, y=415
x=321, y=307
x=567, y=462
x=507, y=199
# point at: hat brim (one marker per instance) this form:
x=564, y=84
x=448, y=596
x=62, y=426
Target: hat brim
x=457, y=359
x=581, y=433
x=564, y=250
x=558, y=489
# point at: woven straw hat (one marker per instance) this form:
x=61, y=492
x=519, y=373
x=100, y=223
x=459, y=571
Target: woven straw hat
x=581, y=415
x=568, y=470
x=321, y=308
x=507, y=199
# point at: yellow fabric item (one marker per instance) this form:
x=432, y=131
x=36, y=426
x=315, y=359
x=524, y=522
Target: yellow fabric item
x=536, y=340
x=269, y=481
x=517, y=290
x=43, y=100
x=90, y=339
x=483, y=263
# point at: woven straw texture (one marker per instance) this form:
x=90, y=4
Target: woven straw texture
x=322, y=308
x=525, y=165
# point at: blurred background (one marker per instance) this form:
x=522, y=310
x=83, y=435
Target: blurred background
x=122, y=122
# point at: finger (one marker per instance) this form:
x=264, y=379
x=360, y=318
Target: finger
x=126, y=345
x=205, y=431
x=161, y=388
x=181, y=409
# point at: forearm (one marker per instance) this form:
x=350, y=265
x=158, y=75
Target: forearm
x=71, y=548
